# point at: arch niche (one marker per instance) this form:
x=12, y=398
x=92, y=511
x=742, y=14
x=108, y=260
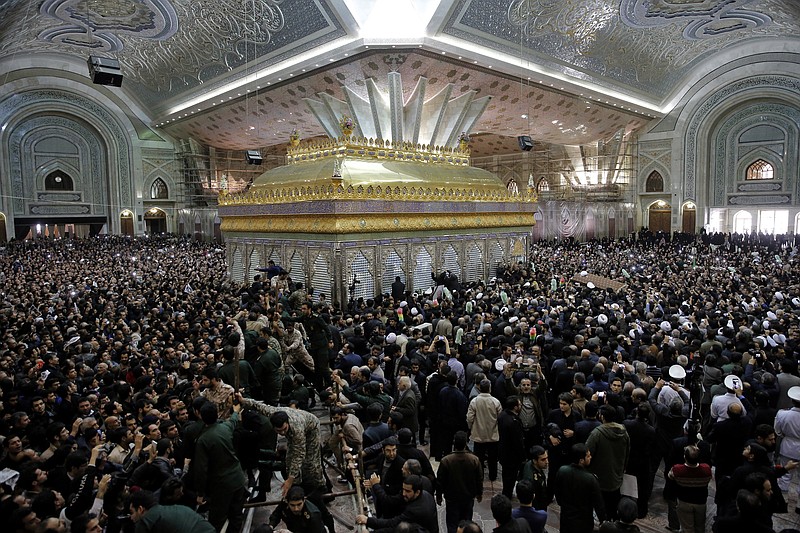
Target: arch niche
x=46, y=130
x=689, y=218
x=155, y=221
x=126, y=223
x=659, y=216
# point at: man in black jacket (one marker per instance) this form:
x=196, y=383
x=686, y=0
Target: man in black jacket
x=502, y=514
x=578, y=493
x=511, y=452
x=420, y=509
x=319, y=337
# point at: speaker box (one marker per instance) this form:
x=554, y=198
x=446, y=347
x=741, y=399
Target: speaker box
x=105, y=71
x=253, y=157
x=525, y=143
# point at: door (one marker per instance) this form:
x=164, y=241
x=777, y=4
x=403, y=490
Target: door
x=660, y=217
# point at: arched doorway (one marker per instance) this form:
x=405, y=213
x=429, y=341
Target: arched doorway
x=3, y=237
x=742, y=222
x=689, y=217
x=126, y=223
x=155, y=221
x=612, y=224
x=660, y=217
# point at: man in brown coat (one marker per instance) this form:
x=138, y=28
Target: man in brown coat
x=460, y=479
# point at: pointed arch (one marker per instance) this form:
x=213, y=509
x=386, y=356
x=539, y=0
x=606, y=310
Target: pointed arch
x=58, y=180
x=393, y=266
x=451, y=261
x=473, y=271
x=362, y=269
x=321, y=278
x=255, y=262
x=297, y=267
x=423, y=266
x=654, y=182
x=760, y=170
x=237, y=266
x=496, y=257
x=159, y=190
x=542, y=185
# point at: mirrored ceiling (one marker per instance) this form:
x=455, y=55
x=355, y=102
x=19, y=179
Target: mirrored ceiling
x=232, y=74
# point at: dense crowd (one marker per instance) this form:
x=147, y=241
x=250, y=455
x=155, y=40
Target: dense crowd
x=143, y=390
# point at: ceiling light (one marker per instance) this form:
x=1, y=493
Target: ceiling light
x=523, y=116
x=443, y=53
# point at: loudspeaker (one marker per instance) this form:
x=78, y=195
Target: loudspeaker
x=525, y=143
x=253, y=157
x=105, y=71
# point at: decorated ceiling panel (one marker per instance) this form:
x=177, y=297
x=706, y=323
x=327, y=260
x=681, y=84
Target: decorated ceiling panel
x=171, y=47
x=268, y=118
x=628, y=53
x=646, y=46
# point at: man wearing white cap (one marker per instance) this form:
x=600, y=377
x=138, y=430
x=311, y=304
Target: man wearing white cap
x=676, y=376
x=787, y=429
x=719, y=405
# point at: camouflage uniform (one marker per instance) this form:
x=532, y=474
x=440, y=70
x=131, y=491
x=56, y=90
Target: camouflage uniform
x=294, y=350
x=222, y=397
x=303, y=460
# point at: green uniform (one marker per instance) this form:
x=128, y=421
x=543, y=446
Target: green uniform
x=308, y=521
x=269, y=372
x=218, y=475
x=172, y=519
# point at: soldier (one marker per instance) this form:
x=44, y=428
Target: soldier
x=303, y=459
x=299, y=514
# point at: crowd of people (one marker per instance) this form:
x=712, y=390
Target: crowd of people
x=143, y=390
